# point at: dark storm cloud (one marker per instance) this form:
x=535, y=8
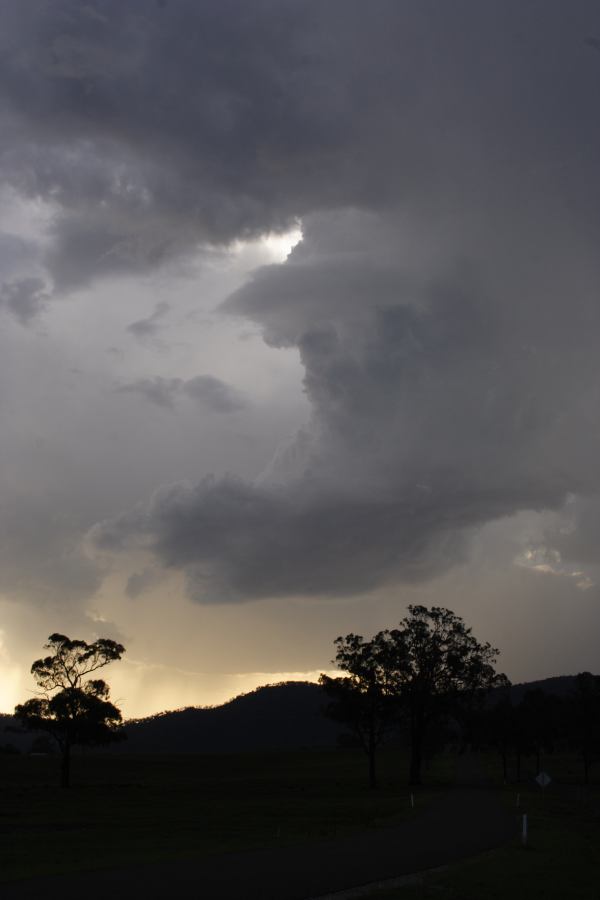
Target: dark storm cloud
x=151, y=129
x=443, y=158
x=237, y=541
x=207, y=391
x=431, y=414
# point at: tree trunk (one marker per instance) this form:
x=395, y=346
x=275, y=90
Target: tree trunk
x=372, y=770
x=65, y=768
x=416, y=747
x=504, y=766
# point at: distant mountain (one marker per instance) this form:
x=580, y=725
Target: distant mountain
x=277, y=717
x=287, y=716
x=10, y=739
x=560, y=685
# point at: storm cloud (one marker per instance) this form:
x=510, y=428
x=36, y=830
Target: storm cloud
x=149, y=130
x=441, y=159
x=431, y=414
x=443, y=301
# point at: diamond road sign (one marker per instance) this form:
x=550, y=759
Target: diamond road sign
x=543, y=780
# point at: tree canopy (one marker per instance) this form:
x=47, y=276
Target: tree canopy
x=362, y=699
x=71, y=660
x=73, y=711
x=431, y=665
x=437, y=667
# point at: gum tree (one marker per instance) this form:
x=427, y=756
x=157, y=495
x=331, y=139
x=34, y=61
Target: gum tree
x=429, y=667
x=436, y=667
x=361, y=699
x=73, y=708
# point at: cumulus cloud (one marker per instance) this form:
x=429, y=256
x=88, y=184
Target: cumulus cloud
x=236, y=541
x=431, y=414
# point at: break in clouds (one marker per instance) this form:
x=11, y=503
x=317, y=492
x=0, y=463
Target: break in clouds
x=442, y=160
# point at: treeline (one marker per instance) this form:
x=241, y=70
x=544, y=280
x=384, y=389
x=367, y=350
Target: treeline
x=541, y=723
x=427, y=670
x=426, y=683
x=432, y=682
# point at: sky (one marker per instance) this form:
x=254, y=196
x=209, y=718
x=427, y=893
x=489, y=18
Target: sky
x=299, y=325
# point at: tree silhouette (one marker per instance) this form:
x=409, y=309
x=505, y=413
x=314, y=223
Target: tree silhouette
x=73, y=711
x=540, y=718
x=437, y=667
x=361, y=699
x=583, y=711
x=428, y=668
x=498, y=729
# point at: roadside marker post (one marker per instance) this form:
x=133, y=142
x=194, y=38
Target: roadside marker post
x=412, y=801
x=524, y=831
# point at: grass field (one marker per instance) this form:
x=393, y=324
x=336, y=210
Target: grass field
x=560, y=861
x=123, y=810
x=127, y=810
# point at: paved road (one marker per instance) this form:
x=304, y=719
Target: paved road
x=461, y=823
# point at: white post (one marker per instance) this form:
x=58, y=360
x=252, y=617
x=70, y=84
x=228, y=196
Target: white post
x=412, y=801
x=524, y=832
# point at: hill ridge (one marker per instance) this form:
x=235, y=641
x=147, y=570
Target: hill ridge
x=287, y=715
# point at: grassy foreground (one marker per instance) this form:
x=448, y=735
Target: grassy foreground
x=124, y=810
x=561, y=860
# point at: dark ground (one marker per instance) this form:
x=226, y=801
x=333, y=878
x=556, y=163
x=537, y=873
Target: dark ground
x=461, y=822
